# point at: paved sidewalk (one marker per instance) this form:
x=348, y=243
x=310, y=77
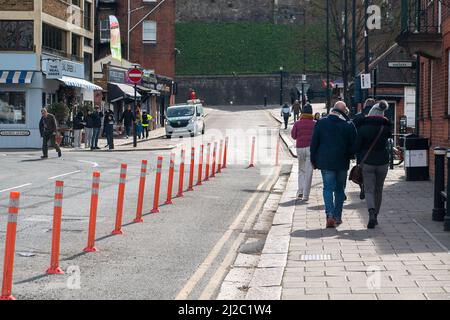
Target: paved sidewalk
x=405, y=257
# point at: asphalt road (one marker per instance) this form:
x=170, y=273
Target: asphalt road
x=173, y=254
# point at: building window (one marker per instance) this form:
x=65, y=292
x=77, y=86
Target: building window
x=87, y=15
x=12, y=108
x=76, y=45
x=88, y=66
x=105, y=33
x=53, y=39
x=149, y=32
x=76, y=3
x=16, y=35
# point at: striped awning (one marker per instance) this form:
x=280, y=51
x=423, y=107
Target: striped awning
x=23, y=77
x=79, y=83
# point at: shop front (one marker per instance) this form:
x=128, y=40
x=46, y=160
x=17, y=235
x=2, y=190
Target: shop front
x=165, y=87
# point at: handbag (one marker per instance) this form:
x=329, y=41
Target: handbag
x=356, y=174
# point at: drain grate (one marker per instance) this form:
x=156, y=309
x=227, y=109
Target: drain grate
x=315, y=257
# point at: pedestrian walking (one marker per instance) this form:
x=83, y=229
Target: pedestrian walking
x=127, y=118
x=105, y=120
x=302, y=132
x=146, y=120
x=332, y=147
x=48, y=129
x=296, y=108
x=317, y=116
x=109, y=130
x=357, y=119
x=88, y=129
x=139, y=128
x=97, y=124
x=78, y=127
x=286, y=114
x=372, y=144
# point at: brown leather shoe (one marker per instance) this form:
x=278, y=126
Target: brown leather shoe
x=331, y=223
x=339, y=222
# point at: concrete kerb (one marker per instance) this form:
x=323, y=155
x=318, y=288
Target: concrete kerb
x=286, y=139
x=267, y=279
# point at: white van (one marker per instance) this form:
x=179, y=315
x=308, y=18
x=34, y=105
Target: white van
x=185, y=119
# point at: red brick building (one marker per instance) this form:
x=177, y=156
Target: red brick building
x=429, y=37
x=148, y=38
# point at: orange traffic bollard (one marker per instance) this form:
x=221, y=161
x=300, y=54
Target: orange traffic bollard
x=213, y=170
x=277, y=158
x=208, y=160
x=191, y=170
x=93, y=213
x=56, y=232
x=120, y=198
x=170, y=183
x=225, y=154
x=157, y=185
x=10, y=247
x=252, y=159
x=219, y=164
x=140, y=203
x=200, y=166
x=181, y=177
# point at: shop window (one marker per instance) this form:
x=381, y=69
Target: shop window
x=16, y=35
x=12, y=108
x=149, y=32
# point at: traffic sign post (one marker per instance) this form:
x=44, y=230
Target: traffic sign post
x=135, y=77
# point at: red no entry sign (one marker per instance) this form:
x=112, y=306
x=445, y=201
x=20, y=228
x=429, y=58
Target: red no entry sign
x=135, y=75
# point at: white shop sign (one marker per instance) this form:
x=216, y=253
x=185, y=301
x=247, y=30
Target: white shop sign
x=68, y=68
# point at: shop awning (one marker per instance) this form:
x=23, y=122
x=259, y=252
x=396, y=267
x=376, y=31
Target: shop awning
x=79, y=83
x=119, y=91
x=16, y=77
x=148, y=90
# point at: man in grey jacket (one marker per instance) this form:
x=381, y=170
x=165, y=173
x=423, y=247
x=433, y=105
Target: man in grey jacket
x=47, y=129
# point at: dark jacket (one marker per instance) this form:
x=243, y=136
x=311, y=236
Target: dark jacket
x=367, y=132
x=47, y=125
x=109, y=123
x=97, y=119
x=332, y=144
x=78, y=122
x=89, y=121
x=127, y=118
x=359, y=117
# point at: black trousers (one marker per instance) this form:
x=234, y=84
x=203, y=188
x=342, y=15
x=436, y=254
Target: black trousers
x=45, y=139
x=110, y=139
x=146, y=131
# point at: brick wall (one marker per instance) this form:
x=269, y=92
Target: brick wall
x=14, y=5
x=56, y=8
x=433, y=115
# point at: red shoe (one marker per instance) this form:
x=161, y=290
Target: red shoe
x=331, y=223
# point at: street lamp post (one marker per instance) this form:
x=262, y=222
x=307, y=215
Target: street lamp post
x=328, y=56
x=281, y=86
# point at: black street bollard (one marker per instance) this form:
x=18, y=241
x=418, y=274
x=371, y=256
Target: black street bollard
x=447, y=216
x=439, y=184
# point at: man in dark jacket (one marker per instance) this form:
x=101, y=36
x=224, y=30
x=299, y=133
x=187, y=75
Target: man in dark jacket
x=357, y=120
x=332, y=147
x=109, y=130
x=78, y=127
x=128, y=118
x=97, y=124
x=48, y=129
x=89, y=128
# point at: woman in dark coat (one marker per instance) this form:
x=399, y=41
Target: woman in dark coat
x=376, y=166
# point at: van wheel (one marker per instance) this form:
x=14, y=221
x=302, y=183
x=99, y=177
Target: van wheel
x=169, y=136
x=192, y=135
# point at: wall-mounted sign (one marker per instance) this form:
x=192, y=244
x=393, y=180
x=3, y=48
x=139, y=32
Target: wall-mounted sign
x=401, y=64
x=116, y=76
x=54, y=69
x=68, y=68
x=366, y=82
x=15, y=133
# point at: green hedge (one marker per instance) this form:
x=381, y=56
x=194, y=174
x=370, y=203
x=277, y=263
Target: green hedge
x=247, y=48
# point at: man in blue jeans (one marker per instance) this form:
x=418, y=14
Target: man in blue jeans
x=332, y=147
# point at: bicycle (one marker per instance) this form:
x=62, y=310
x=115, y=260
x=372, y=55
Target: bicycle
x=396, y=154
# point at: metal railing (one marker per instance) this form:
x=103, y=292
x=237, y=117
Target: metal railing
x=421, y=16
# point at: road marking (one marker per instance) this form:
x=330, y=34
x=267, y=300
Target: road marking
x=432, y=237
x=220, y=274
x=206, y=264
x=94, y=164
x=13, y=188
x=63, y=175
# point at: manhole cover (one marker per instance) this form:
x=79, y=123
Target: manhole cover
x=315, y=257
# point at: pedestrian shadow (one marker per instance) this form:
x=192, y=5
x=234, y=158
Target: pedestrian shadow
x=32, y=160
x=75, y=256
x=289, y=203
x=32, y=279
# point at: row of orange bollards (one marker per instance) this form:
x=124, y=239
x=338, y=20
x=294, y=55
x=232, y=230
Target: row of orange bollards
x=210, y=172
